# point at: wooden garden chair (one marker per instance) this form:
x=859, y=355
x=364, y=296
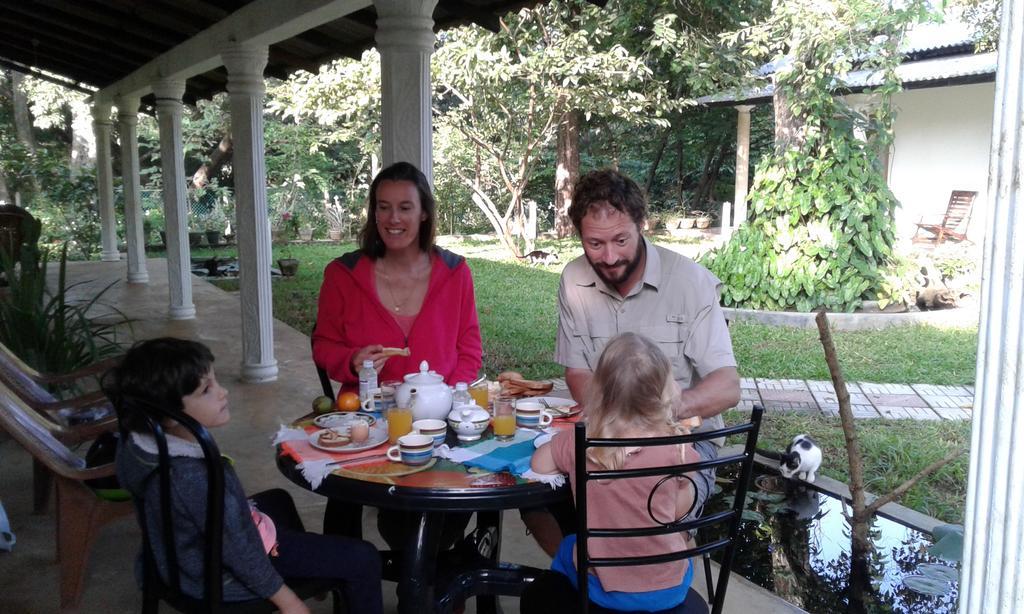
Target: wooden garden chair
x=954, y=221
x=81, y=512
x=69, y=420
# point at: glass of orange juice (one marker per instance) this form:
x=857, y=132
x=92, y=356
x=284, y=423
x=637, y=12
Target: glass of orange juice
x=481, y=396
x=504, y=423
x=400, y=423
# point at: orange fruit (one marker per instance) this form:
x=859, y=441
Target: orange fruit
x=348, y=401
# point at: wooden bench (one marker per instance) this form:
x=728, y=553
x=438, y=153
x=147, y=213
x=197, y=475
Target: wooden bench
x=64, y=418
x=80, y=512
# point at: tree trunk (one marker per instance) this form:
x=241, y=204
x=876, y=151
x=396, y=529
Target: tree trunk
x=567, y=170
x=659, y=151
x=22, y=117
x=83, y=138
x=788, y=127
x=709, y=175
x=219, y=156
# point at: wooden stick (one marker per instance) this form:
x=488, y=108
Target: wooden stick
x=902, y=489
x=845, y=416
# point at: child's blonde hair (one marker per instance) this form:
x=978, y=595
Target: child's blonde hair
x=631, y=387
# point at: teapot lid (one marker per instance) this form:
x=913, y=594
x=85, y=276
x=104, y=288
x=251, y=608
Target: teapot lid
x=471, y=413
x=425, y=376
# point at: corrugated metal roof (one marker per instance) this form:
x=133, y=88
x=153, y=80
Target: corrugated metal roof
x=934, y=72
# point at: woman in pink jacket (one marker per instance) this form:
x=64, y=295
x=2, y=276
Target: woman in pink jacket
x=398, y=290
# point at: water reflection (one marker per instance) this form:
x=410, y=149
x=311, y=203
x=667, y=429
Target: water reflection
x=797, y=545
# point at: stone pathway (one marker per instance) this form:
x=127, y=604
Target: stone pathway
x=868, y=400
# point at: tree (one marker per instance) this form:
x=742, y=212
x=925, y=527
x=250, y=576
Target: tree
x=504, y=94
x=822, y=215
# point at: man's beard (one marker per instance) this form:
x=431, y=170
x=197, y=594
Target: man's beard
x=602, y=270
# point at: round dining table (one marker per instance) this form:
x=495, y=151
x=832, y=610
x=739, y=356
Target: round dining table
x=430, y=491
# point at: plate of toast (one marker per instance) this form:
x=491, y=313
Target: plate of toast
x=342, y=418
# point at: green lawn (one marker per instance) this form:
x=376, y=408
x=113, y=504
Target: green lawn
x=518, y=316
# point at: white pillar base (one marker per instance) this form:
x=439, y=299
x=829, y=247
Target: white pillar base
x=110, y=257
x=254, y=374
x=181, y=313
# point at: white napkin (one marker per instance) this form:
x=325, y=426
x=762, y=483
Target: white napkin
x=554, y=480
x=289, y=434
x=315, y=471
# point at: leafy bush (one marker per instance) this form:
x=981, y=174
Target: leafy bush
x=821, y=228
x=41, y=326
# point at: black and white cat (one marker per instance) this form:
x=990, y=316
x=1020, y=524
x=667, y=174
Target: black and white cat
x=539, y=256
x=802, y=458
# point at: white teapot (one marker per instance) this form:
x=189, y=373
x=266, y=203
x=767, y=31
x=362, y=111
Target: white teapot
x=469, y=421
x=433, y=396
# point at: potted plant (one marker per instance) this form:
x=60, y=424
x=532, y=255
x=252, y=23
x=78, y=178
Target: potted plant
x=702, y=220
x=287, y=265
x=335, y=213
x=214, y=224
x=306, y=233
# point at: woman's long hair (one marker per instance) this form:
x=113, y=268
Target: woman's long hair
x=369, y=237
x=631, y=390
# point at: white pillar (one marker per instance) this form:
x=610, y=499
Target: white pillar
x=101, y=124
x=742, y=164
x=245, y=64
x=405, y=39
x=168, y=94
x=127, y=123
x=726, y=219
x=992, y=581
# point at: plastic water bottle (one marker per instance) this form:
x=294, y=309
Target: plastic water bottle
x=461, y=396
x=367, y=381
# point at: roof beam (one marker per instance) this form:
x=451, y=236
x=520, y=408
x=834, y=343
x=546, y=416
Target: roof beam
x=262, y=22
x=38, y=74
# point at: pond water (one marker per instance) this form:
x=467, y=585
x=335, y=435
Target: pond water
x=795, y=542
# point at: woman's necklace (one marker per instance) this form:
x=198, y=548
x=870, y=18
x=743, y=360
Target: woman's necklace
x=415, y=275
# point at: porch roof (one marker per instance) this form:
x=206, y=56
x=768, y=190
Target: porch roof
x=92, y=44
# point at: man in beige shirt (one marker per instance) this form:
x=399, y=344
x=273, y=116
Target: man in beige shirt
x=624, y=283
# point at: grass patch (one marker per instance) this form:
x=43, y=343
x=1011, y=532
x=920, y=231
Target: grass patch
x=904, y=355
x=517, y=306
x=891, y=455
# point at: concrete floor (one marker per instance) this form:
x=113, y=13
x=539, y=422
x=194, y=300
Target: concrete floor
x=28, y=575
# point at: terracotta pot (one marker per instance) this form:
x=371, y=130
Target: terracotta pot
x=703, y=222
x=306, y=233
x=686, y=222
x=195, y=239
x=288, y=266
x=213, y=237
x=334, y=235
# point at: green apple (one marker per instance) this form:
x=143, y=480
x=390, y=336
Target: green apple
x=322, y=405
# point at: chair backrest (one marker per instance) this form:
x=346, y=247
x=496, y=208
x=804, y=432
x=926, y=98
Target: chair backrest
x=958, y=211
x=27, y=428
x=325, y=380
x=584, y=475
x=214, y=523
x=13, y=230
x=22, y=378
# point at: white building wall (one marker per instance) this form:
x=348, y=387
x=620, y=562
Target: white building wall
x=941, y=144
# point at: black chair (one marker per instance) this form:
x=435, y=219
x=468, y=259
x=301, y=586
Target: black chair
x=325, y=380
x=154, y=588
x=745, y=459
